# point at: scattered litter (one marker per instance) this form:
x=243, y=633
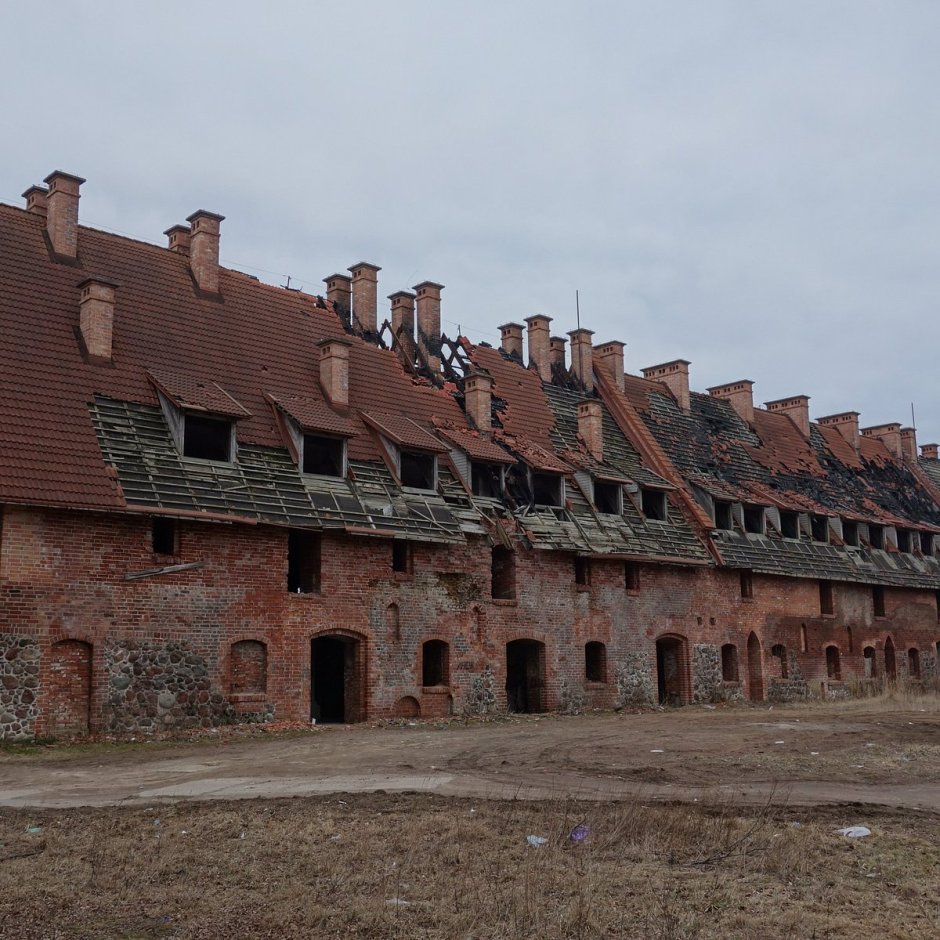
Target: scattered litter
x=796, y=824
x=242, y=836
x=657, y=750
x=335, y=838
x=869, y=744
x=710, y=707
x=859, y=766
x=580, y=833
x=814, y=753
x=342, y=802
x=872, y=874
x=780, y=742
x=156, y=822
x=472, y=811
x=854, y=832
x=536, y=840
x=34, y=830
x=184, y=832
x=397, y=902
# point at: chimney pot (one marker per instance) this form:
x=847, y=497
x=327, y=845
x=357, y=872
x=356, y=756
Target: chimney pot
x=365, y=296
x=334, y=370
x=675, y=376
x=909, y=443
x=740, y=395
x=888, y=434
x=930, y=451
x=178, y=239
x=582, y=364
x=428, y=304
x=96, y=316
x=36, y=197
x=846, y=423
x=610, y=357
x=556, y=352
x=62, y=212
x=796, y=408
x=403, y=312
x=590, y=427
x=511, y=339
x=478, y=399
x=204, y=249
x=539, y=345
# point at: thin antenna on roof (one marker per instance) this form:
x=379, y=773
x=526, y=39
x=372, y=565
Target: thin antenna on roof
x=577, y=309
x=913, y=422
x=577, y=314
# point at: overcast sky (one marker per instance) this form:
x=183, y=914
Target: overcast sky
x=753, y=186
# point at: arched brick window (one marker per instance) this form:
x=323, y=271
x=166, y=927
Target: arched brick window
x=249, y=671
x=871, y=664
x=833, y=666
x=393, y=622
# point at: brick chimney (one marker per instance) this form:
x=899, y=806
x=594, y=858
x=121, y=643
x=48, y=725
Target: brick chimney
x=590, y=427
x=610, y=357
x=539, y=345
x=846, y=423
x=796, y=408
x=675, y=376
x=62, y=212
x=403, y=311
x=96, y=316
x=511, y=339
x=888, y=434
x=478, y=399
x=909, y=443
x=582, y=361
x=177, y=239
x=930, y=451
x=428, y=315
x=339, y=292
x=204, y=249
x=334, y=370
x=36, y=197
x=365, y=296
x=556, y=351
x=740, y=395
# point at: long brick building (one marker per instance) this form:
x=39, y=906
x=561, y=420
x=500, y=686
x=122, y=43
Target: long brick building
x=223, y=501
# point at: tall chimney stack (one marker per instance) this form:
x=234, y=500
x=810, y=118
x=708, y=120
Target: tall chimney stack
x=36, y=197
x=177, y=238
x=609, y=356
x=846, y=423
x=334, y=370
x=478, y=399
x=909, y=443
x=796, y=408
x=96, y=316
x=428, y=304
x=403, y=312
x=582, y=360
x=675, y=376
x=590, y=427
x=204, y=249
x=888, y=434
x=339, y=293
x=539, y=345
x=511, y=339
x=740, y=395
x=930, y=451
x=62, y=212
x=556, y=352
x=365, y=296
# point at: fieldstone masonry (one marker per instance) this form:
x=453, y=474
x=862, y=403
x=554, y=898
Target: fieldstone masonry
x=634, y=680
x=19, y=682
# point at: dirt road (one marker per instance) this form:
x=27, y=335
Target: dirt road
x=804, y=755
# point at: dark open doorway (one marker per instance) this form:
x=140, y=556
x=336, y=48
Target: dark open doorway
x=525, y=676
x=670, y=670
x=755, y=669
x=891, y=663
x=335, y=679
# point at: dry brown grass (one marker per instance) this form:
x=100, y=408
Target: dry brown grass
x=411, y=866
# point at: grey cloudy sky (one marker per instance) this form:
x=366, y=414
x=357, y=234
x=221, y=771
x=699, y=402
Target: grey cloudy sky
x=753, y=186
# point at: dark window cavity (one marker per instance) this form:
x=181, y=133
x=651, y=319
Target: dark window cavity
x=582, y=570
x=747, y=584
x=503, y=571
x=904, y=541
x=434, y=663
x=871, y=663
x=631, y=576
x=595, y=662
x=789, y=524
x=729, y=663
x=401, y=556
x=207, y=438
x=913, y=663
x=417, y=470
x=850, y=532
x=926, y=543
x=323, y=455
x=833, y=666
x=754, y=519
x=654, y=504
x=876, y=536
x=163, y=536
x=486, y=479
x=546, y=489
x=820, y=527
x=878, y=600
x=303, y=563
x=723, y=517
x=826, y=603
x=608, y=497
x=779, y=652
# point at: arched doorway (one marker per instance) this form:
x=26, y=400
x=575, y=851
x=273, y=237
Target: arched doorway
x=891, y=663
x=671, y=670
x=337, y=680
x=525, y=676
x=755, y=669
x=70, y=688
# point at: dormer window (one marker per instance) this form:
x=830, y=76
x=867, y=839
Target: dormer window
x=850, y=533
x=876, y=535
x=324, y=456
x=723, y=517
x=904, y=541
x=547, y=489
x=927, y=544
x=486, y=479
x=789, y=524
x=754, y=519
x=208, y=438
x=608, y=497
x=418, y=470
x=820, y=528
x=654, y=504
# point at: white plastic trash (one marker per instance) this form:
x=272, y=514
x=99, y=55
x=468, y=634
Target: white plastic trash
x=854, y=832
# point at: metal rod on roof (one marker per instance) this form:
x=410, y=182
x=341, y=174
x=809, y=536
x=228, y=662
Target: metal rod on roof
x=913, y=422
x=577, y=314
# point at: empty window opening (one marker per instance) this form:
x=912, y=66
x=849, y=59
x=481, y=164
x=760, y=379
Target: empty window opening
x=401, y=556
x=820, y=528
x=871, y=664
x=850, y=533
x=672, y=670
x=249, y=668
x=779, y=652
x=486, y=479
x=804, y=645
x=723, y=517
x=418, y=470
x=878, y=600
x=303, y=563
x=833, y=667
x=207, y=438
x=747, y=584
x=654, y=504
x=789, y=525
x=913, y=663
x=876, y=536
x=435, y=663
x=848, y=638
x=926, y=543
x=503, y=572
x=891, y=665
x=323, y=455
x=904, y=541
x=546, y=489
x=754, y=519
x=163, y=536
x=729, y=663
x=595, y=662
x=608, y=497
x=582, y=570
x=631, y=576
x=826, y=601
x=525, y=676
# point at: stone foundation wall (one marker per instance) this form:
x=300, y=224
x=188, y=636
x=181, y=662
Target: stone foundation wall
x=19, y=685
x=635, y=680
